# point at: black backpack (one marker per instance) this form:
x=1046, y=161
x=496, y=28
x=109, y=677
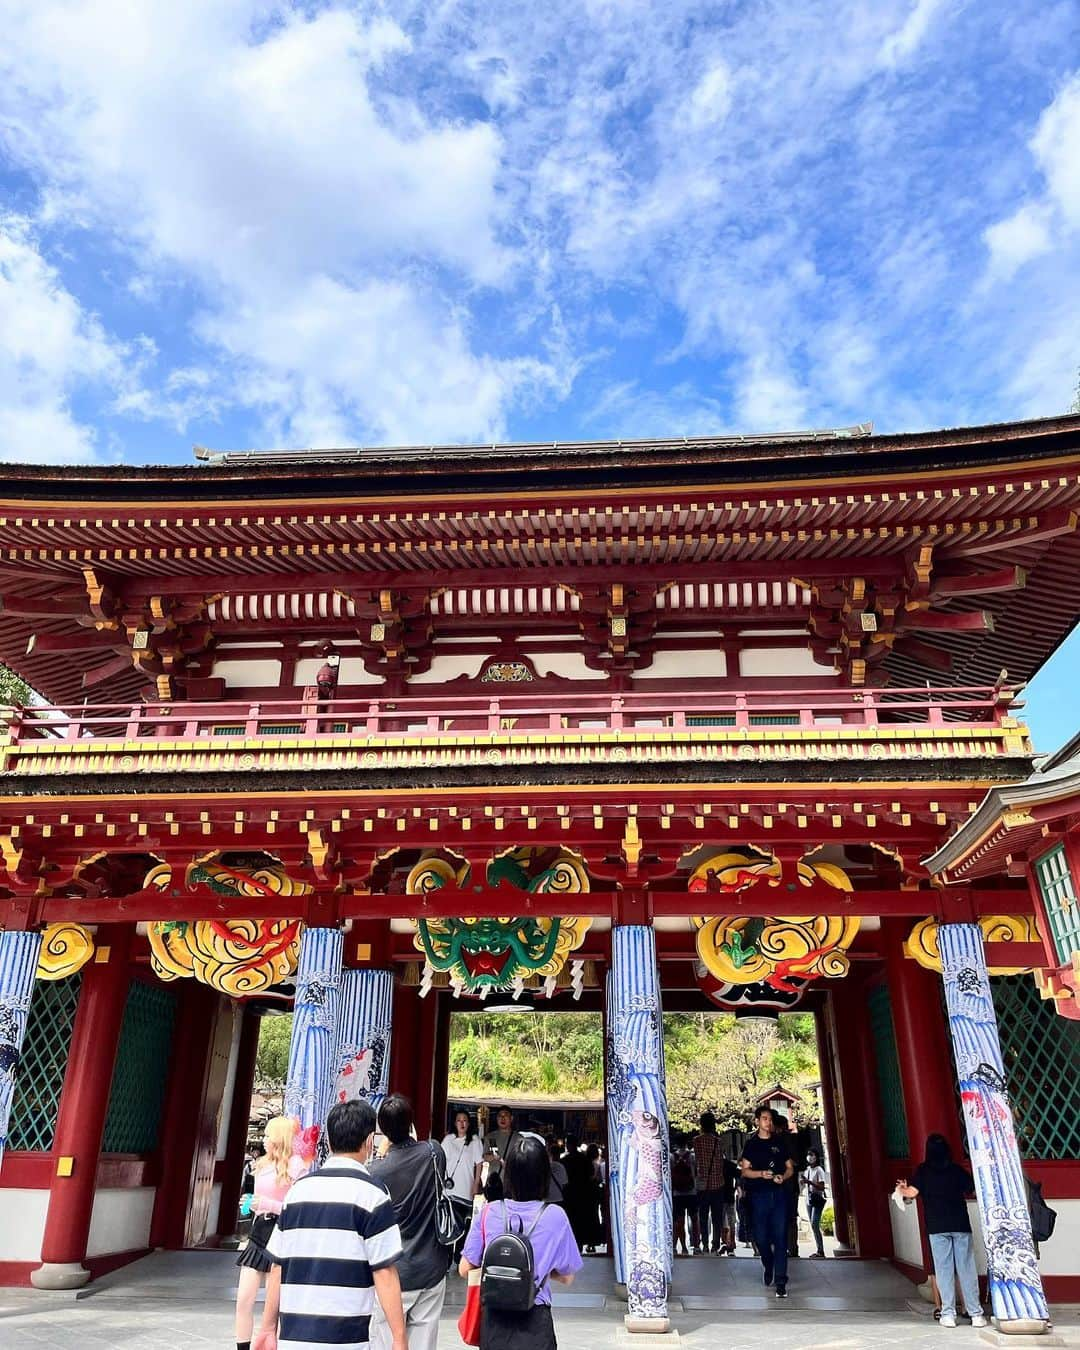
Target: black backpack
x=508, y=1272
x=1043, y=1218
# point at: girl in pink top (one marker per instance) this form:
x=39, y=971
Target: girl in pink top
x=275, y=1172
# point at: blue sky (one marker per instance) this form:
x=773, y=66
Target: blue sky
x=241, y=223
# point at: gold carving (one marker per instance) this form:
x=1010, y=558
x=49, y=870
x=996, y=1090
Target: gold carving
x=922, y=941
x=65, y=949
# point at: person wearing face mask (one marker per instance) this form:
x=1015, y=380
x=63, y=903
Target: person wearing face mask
x=813, y=1179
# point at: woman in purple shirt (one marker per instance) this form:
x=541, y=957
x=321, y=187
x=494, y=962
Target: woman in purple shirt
x=527, y=1176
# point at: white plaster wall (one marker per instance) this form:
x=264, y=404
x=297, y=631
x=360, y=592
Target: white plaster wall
x=700, y=662
x=22, y=1224
x=447, y=667
x=121, y=1220
x=570, y=665
x=351, y=670
x=779, y=661
x=249, y=674
x=1059, y=1256
x=906, y=1233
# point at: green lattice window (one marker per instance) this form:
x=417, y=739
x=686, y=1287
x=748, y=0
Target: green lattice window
x=1059, y=898
x=774, y=719
x=1041, y=1051
x=142, y=1066
x=43, y=1063
x=720, y=720
x=890, y=1088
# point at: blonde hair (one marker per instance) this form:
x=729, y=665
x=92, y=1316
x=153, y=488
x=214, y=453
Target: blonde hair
x=280, y=1134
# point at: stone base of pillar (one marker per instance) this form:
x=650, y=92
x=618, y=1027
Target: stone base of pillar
x=1027, y=1333
x=639, y=1331
x=60, y=1275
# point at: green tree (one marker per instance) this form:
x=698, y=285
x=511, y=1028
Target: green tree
x=272, y=1056
x=13, y=689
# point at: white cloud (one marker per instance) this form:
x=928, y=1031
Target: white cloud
x=1056, y=146
x=379, y=363
x=905, y=41
x=710, y=100
x=255, y=150
x=1020, y=237
x=50, y=348
x=1038, y=226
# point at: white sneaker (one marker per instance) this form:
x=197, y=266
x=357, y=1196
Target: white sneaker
x=978, y=1320
x=948, y=1320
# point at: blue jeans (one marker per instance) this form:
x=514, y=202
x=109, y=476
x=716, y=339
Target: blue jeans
x=769, y=1218
x=815, y=1204
x=954, y=1258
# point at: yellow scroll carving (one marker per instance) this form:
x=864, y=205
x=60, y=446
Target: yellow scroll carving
x=65, y=949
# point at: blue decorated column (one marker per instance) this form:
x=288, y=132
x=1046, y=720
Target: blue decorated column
x=637, y=1105
x=313, y=1051
x=18, y=964
x=614, y=1176
x=1016, y=1292
x=363, y=1067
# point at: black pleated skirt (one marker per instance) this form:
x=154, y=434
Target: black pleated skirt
x=254, y=1256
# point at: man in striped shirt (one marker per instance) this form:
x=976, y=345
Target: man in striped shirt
x=334, y=1250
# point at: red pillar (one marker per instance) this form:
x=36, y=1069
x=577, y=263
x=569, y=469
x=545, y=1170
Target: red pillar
x=440, y=1085
x=84, y=1102
x=239, y=1111
x=922, y=1045
x=403, y=1042
x=423, y=1093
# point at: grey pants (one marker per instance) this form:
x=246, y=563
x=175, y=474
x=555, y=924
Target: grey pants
x=423, y=1308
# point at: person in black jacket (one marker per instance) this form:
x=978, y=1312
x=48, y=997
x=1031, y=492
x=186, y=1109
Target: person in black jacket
x=407, y=1170
x=943, y=1186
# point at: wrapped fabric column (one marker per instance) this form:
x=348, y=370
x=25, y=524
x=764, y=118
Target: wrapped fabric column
x=637, y=1102
x=313, y=1051
x=614, y=1175
x=1016, y=1292
x=18, y=964
x=363, y=1066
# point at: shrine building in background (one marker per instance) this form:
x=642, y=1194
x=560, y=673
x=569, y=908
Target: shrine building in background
x=729, y=723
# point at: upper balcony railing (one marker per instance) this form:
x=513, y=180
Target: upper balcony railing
x=514, y=727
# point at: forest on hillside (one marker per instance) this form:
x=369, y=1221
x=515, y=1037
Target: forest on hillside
x=713, y=1062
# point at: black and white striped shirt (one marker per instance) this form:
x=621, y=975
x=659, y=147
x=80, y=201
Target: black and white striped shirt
x=336, y=1227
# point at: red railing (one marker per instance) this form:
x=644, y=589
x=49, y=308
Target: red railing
x=509, y=710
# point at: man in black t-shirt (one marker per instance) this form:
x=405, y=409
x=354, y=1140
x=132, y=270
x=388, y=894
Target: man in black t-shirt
x=407, y=1170
x=766, y=1164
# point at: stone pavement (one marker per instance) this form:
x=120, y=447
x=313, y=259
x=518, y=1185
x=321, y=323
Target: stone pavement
x=108, y=1325
x=182, y=1301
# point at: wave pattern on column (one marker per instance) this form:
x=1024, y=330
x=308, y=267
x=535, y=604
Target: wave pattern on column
x=363, y=1065
x=314, y=1045
x=637, y=1099
x=1016, y=1291
x=18, y=961
x=615, y=1212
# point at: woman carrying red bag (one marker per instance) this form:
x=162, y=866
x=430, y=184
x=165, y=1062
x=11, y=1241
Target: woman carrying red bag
x=527, y=1176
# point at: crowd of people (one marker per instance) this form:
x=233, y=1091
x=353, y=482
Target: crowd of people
x=750, y=1195
x=359, y=1251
